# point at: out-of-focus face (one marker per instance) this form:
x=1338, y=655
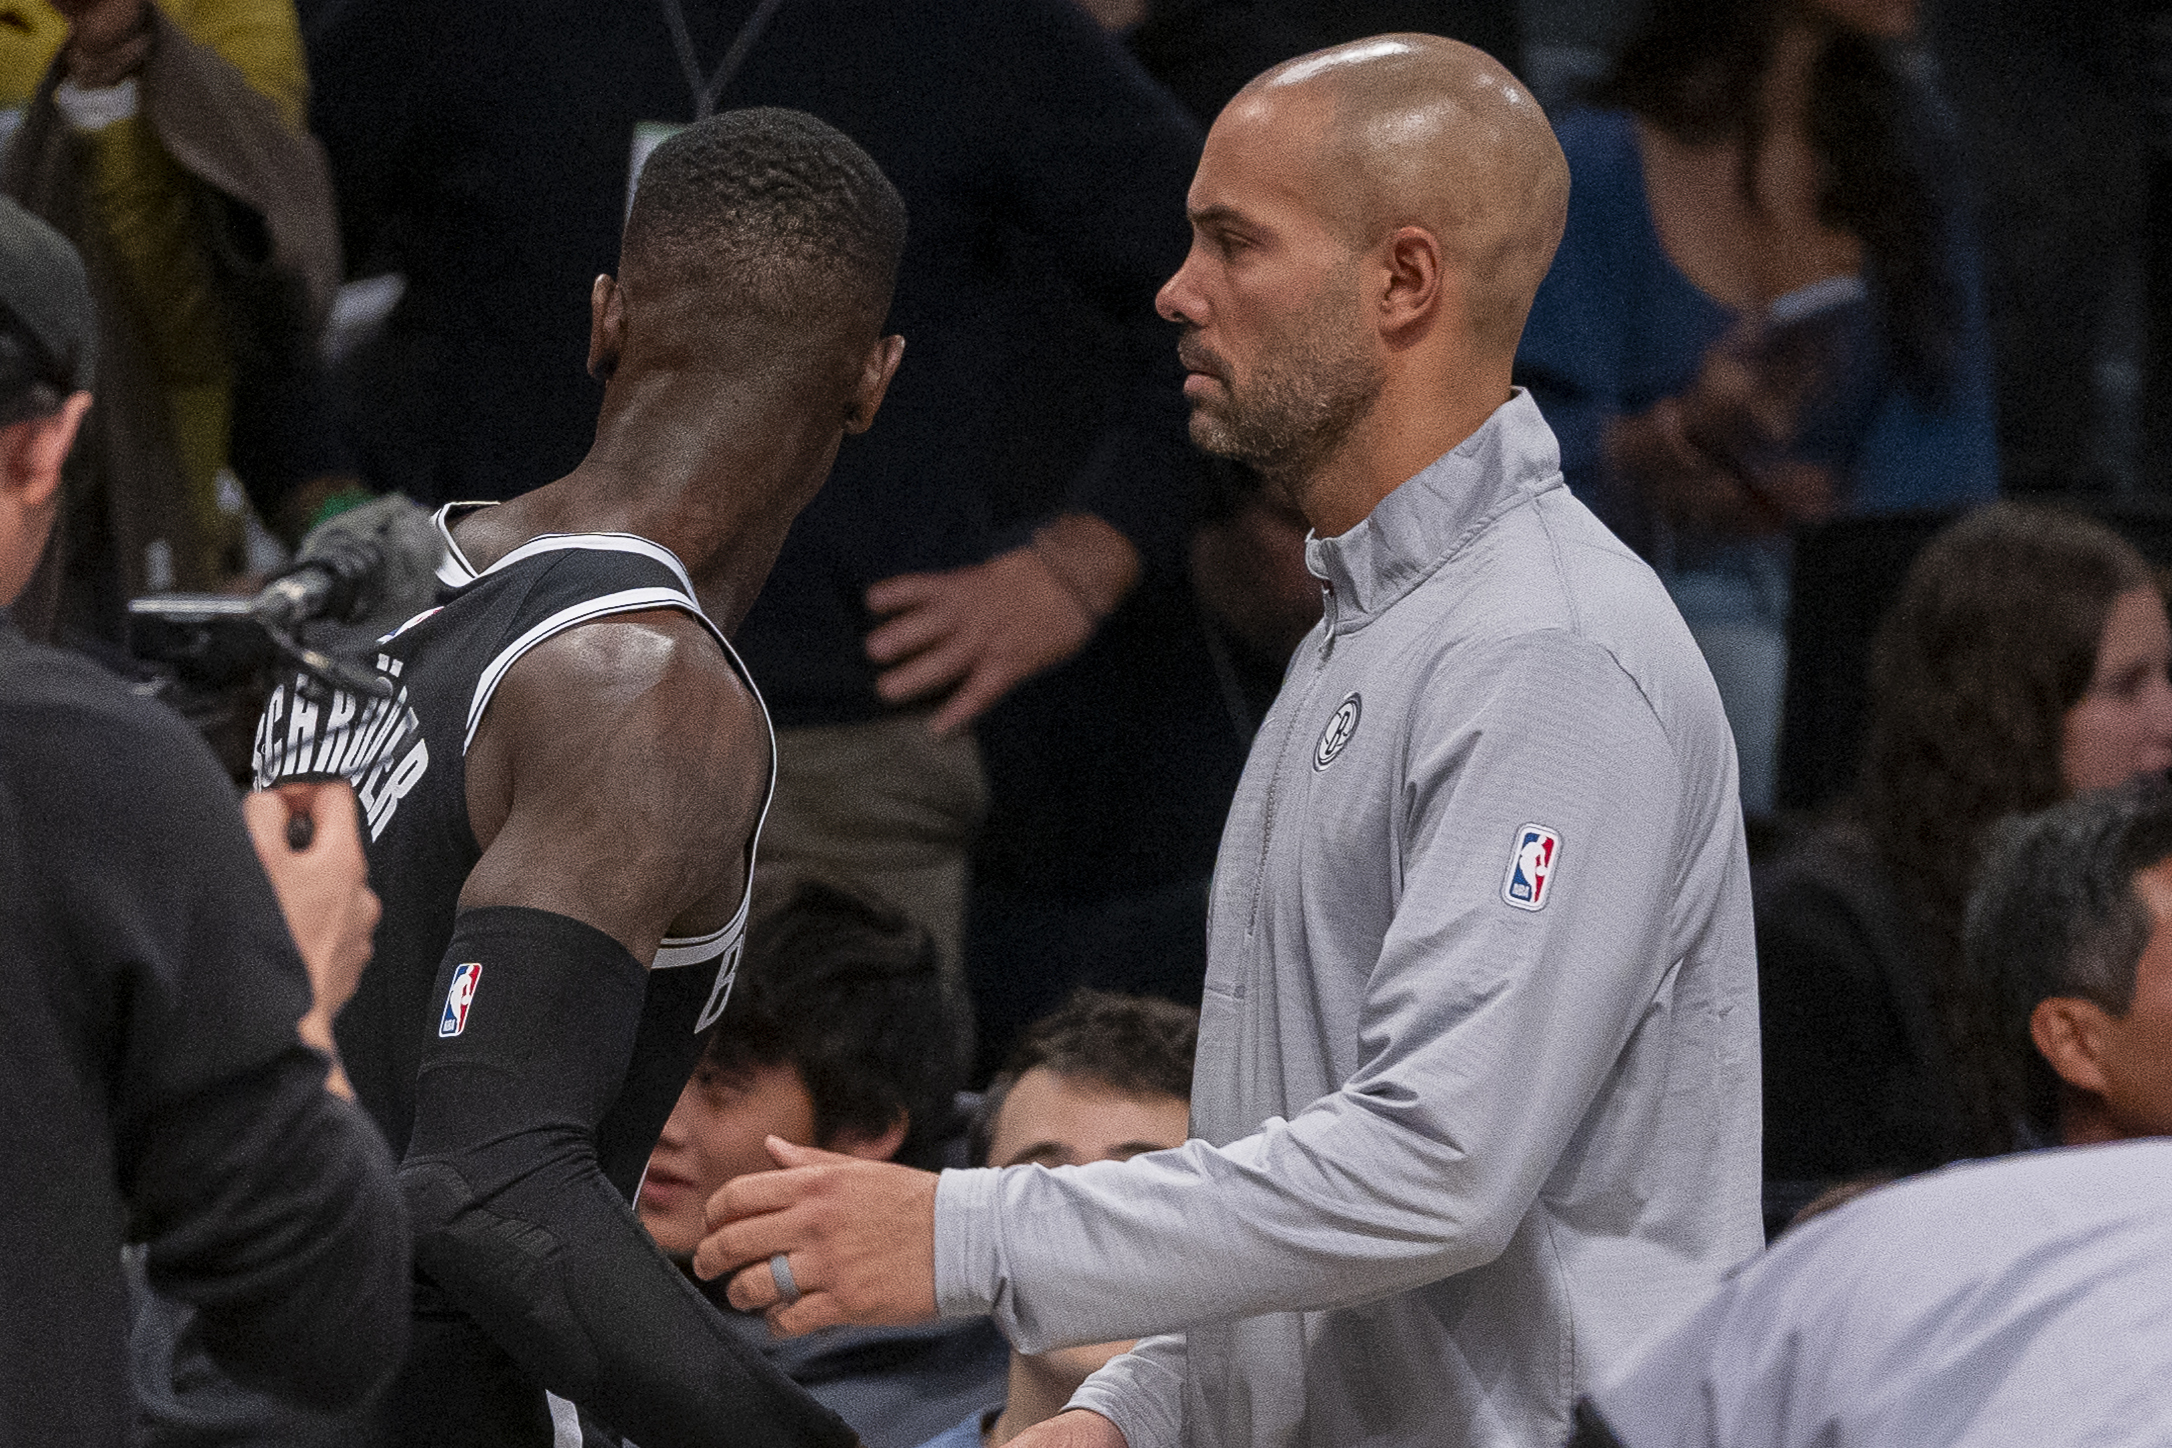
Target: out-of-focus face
x=1057, y=1120
x=2122, y=727
x=715, y=1133
x=2136, y=1054
x=1878, y=19
x=1278, y=364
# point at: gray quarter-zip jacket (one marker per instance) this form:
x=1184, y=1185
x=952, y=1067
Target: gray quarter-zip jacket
x=1477, y=1092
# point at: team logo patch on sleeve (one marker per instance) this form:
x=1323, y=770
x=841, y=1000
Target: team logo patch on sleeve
x=459, y=998
x=1531, y=867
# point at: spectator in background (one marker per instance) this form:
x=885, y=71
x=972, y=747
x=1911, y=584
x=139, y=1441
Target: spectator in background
x=1765, y=311
x=1030, y=476
x=2025, y=661
x=843, y=1032
x=168, y=142
x=167, y=972
x=2070, y=934
x=1105, y=1078
x=2003, y=1302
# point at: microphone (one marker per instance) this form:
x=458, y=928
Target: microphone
x=338, y=578
x=360, y=575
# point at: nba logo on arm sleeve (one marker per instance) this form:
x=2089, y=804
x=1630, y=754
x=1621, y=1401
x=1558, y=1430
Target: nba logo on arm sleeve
x=1531, y=867
x=459, y=998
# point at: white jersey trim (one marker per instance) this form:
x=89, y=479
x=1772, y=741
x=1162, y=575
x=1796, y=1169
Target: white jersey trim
x=455, y=571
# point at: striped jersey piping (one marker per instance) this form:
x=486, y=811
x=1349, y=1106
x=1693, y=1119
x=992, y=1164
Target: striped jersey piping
x=456, y=572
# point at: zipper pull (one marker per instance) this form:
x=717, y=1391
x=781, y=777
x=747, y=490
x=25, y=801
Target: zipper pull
x=1327, y=620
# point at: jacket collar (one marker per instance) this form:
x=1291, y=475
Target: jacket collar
x=1427, y=520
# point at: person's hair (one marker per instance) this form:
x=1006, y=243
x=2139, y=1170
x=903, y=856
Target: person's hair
x=779, y=215
x=2055, y=913
x=1992, y=642
x=30, y=377
x=1130, y=1045
x=851, y=993
x=1695, y=69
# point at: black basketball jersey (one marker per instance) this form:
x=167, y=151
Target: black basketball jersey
x=406, y=758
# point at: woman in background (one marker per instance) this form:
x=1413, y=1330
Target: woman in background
x=2025, y=661
x=1765, y=310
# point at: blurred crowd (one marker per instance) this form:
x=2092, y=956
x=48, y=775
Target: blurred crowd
x=1860, y=334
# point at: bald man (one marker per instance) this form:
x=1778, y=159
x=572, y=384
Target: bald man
x=1477, y=1090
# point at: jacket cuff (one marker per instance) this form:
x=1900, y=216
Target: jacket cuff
x=968, y=1243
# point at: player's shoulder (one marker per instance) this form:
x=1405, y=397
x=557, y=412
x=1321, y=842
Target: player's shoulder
x=654, y=686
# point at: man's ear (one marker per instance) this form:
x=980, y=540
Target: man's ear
x=2069, y=1035
x=606, y=326
x=874, y=382
x=872, y=1146
x=31, y=453
x=1412, y=279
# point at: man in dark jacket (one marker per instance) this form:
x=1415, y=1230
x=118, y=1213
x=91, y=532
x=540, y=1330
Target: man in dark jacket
x=154, y=1081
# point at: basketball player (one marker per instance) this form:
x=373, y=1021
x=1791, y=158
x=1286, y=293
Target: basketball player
x=563, y=795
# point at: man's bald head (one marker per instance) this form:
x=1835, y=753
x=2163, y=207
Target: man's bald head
x=1426, y=132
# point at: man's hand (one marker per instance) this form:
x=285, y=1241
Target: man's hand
x=1715, y=457
x=859, y=1237
x=982, y=630
x=1077, y=1428
x=323, y=891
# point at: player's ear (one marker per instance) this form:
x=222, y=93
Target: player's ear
x=872, y=1145
x=606, y=326
x=2069, y=1035
x=876, y=371
x=32, y=451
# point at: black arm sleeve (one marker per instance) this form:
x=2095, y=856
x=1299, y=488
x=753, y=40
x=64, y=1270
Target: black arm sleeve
x=515, y=1221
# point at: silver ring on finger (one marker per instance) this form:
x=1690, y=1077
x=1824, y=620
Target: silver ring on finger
x=780, y=1272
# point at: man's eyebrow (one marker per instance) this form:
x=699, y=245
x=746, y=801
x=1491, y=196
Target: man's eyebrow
x=1047, y=1153
x=1125, y=1151
x=1219, y=214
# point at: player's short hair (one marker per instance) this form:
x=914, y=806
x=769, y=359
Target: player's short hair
x=1131, y=1045
x=2055, y=913
x=778, y=213
x=850, y=992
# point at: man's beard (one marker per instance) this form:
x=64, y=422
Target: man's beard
x=1315, y=383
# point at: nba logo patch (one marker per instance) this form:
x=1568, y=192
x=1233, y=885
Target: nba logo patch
x=459, y=998
x=1531, y=867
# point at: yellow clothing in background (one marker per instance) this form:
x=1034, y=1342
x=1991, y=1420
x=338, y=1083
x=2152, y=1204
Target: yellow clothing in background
x=147, y=207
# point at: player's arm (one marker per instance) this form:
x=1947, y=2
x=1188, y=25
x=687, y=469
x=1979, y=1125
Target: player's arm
x=613, y=783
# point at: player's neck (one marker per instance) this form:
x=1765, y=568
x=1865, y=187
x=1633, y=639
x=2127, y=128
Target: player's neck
x=716, y=483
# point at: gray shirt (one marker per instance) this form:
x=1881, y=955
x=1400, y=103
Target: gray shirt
x=1477, y=1092
x=2025, y=1302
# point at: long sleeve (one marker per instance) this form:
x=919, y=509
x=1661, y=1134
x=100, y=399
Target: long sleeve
x=1487, y=1033
x=1142, y=1393
x=263, y=1201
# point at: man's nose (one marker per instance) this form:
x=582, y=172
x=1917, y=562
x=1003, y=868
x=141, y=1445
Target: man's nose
x=1178, y=300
